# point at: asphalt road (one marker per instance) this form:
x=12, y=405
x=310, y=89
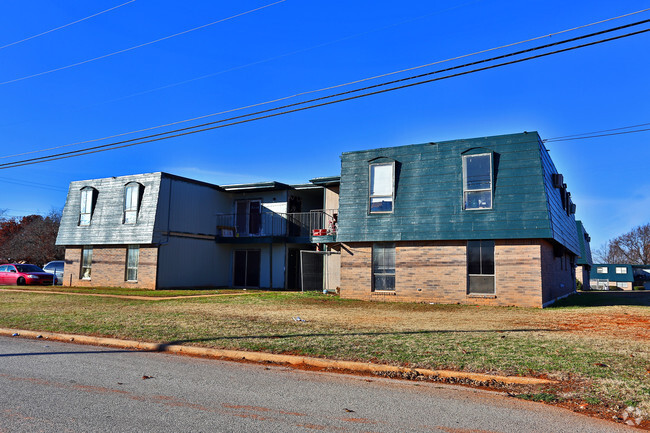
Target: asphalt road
x=57, y=387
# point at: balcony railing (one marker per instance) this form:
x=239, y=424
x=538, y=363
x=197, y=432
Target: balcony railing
x=263, y=224
x=294, y=224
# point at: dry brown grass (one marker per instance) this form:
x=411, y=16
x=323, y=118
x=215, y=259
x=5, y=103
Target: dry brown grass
x=602, y=351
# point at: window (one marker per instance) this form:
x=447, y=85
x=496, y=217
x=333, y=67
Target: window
x=87, y=204
x=383, y=267
x=132, y=194
x=477, y=181
x=621, y=270
x=601, y=269
x=86, y=262
x=132, y=260
x=480, y=267
x=622, y=285
x=381, y=187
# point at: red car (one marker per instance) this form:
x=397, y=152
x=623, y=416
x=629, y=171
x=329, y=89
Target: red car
x=20, y=275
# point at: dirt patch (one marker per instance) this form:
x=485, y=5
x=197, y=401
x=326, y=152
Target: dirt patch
x=625, y=325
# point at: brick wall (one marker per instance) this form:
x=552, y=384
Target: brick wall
x=109, y=267
x=558, y=274
x=436, y=271
x=582, y=275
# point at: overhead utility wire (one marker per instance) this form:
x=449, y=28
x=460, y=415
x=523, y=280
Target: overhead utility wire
x=104, y=148
x=553, y=140
x=354, y=90
x=140, y=45
x=595, y=132
x=66, y=25
x=325, y=88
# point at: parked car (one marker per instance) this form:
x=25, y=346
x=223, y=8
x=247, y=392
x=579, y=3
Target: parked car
x=55, y=267
x=20, y=275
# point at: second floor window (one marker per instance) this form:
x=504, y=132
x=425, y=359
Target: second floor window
x=382, y=183
x=131, y=202
x=477, y=181
x=621, y=270
x=86, y=206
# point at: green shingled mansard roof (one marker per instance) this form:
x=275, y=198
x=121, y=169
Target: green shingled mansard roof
x=429, y=194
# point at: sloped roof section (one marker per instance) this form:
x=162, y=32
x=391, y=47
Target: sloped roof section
x=428, y=188
x=585, y=248
x=107, y=221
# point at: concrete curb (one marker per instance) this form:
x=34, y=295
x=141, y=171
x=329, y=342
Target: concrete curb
x=240, y=355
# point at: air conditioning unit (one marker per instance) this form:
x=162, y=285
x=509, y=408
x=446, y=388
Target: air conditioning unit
x=558, y=180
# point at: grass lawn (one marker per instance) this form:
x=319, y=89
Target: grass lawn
x=118, y=291
x=600, y=353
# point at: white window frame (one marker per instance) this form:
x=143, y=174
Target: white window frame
x=131, y=207
x=481, y=274
x=86, y=205
x=622, y=285
x=372, y=196
x=383, y=246
x=466, y=190
x=86, y=262
x=601, y=270
x=130, y=251
x=621, y=270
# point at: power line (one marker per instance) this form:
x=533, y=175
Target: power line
x=595, y=132
x=66, y=25
x=140, y=45
x=32, y=184
x=331, y=87
x=553, y=140
x=159, y=137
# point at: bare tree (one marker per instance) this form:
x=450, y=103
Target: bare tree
x=631, y=248
x=31, y=239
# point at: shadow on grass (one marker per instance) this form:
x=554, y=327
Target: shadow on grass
x=605, y=299
x=163, y=346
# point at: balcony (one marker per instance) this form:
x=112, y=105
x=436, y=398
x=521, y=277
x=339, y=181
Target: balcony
x=323, y=225
x=263, y=227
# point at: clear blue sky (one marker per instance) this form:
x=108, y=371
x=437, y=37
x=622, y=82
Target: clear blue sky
x=300, y=45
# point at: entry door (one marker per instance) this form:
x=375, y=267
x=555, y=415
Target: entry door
x=249, y=217
x=246, y=268
x=293, y=269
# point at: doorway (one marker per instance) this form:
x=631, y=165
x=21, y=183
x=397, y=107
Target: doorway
x=246, y=268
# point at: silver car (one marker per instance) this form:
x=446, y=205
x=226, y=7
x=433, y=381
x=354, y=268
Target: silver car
x=55, y=267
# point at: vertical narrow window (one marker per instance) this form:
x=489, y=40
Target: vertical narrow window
x=480, y=267
x=382, y=182
x=383, y=267
x=132, y=261
x=131, y=202
x=86, y=262
x=86, y=206
x=477, y=181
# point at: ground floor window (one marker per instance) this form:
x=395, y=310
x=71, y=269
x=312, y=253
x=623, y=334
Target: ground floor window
x=132, y=261
x=86, y=262
x=480, y=267
x=383, y=267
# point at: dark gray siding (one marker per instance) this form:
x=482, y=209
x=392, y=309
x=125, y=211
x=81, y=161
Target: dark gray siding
x=429, y=190
x=188, y=207
x=563, y=224
x=106, y=226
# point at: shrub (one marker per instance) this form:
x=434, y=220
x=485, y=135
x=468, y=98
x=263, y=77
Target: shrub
x=638, y=288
